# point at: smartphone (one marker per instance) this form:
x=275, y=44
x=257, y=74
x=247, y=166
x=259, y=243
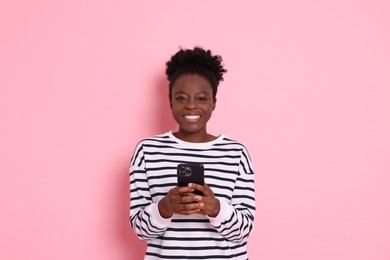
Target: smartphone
x=190, y=173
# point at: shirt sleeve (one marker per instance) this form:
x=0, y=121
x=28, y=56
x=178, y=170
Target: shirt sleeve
x=145, y=217
x=235, y=220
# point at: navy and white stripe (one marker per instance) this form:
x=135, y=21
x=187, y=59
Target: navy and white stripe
x=228, y=172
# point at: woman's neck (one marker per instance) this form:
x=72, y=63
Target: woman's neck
x=194, y=138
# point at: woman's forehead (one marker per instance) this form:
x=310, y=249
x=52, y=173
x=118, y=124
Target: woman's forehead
x=191, y=83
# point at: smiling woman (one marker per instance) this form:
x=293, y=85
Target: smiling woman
x=192, y=105
x=177, y=222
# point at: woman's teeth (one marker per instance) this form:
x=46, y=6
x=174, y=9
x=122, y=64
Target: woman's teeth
x=192, y=117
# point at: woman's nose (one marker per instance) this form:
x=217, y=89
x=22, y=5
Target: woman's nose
x=191, y=104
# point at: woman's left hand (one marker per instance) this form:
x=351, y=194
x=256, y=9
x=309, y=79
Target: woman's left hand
x=211, y=205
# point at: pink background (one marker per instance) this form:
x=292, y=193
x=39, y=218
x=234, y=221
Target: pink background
x=308, y=92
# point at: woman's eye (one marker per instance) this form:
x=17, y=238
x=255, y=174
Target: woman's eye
x=202, y=99
x=181, y=98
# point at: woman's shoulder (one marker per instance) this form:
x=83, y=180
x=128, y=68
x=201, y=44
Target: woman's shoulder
x=158, y=138
x=231, y=142
x=163, y=136
x=226, y=140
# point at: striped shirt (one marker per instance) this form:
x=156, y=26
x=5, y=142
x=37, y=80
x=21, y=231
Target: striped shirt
x=229, y=173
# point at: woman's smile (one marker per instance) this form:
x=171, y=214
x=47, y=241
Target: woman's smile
x=192, y=118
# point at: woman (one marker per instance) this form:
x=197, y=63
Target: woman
x=176, y=222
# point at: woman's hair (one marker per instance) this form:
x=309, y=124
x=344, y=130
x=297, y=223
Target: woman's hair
x=195, y=61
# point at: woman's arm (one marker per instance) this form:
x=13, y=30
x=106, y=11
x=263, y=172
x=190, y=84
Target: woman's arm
x=145, y=218
x=235, y=219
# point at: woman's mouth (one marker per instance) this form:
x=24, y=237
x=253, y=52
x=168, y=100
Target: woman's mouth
x=191, y=117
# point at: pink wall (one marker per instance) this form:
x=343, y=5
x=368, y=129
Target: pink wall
x=307, y=91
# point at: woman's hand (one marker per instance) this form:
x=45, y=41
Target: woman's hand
x=211, y=205
x=180, y=200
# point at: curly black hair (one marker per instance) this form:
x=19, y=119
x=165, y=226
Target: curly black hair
x=195, y=61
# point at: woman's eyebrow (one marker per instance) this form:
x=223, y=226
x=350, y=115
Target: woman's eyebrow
x=179, y=93
x=197, y=93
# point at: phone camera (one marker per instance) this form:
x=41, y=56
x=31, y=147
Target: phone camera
x=185, y=171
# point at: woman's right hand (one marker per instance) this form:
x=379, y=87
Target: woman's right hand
x=180, y=200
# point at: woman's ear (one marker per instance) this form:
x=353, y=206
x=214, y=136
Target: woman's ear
x=214, y=103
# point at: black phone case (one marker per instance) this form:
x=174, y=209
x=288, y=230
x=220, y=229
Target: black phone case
x=190, y=173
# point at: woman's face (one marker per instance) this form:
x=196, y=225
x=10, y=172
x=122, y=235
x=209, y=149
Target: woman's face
x=192, y=105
